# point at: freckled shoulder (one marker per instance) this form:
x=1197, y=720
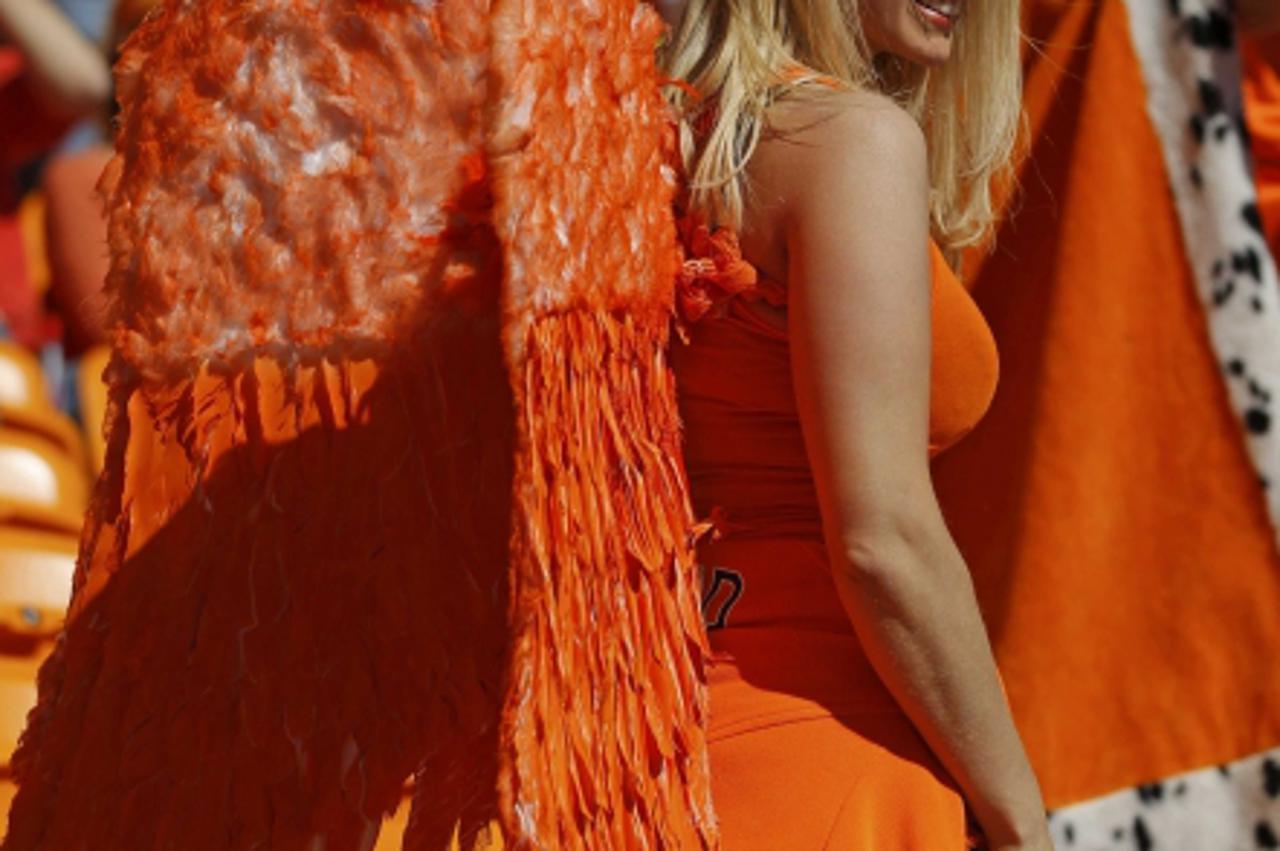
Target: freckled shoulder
x=819, y=146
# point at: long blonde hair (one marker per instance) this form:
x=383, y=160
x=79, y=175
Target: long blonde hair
x=739, y=56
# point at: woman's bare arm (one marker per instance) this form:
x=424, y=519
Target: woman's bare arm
x=66, y=67
x=852, y=193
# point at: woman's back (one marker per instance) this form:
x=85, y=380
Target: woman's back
x=743, y=443
x=791, y=685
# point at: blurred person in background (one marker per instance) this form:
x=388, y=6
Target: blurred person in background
x=50, y=76
x=66, y=71
x=76, y=228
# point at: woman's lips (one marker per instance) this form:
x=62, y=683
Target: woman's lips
x=939, y=13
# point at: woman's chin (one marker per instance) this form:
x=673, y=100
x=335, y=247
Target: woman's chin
x=932, y=57
x=929, y=52
x=917, y=32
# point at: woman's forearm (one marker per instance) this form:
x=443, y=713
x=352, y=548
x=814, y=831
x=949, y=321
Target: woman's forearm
x=64, y=65
x=912, y=603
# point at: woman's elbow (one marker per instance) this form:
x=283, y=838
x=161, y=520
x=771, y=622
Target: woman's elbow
x=897, y=547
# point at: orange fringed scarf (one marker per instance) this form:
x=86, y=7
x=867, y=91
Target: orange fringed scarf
x=393, y=484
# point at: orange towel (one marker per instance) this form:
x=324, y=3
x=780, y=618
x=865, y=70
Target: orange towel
x=1112, y=518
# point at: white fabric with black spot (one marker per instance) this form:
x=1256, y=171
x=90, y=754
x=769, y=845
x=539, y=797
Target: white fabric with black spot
x=1234, y=807
x=1191, y=67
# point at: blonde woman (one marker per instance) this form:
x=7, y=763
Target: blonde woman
x=850, y=144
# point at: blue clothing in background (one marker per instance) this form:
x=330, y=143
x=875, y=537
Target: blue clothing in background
x=90, y=16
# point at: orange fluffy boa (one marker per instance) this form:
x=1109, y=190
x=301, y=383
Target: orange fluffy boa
x=393, y=484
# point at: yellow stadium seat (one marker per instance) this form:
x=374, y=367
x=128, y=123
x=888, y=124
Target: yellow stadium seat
x=391, y=838
x=25, y=402
x=31, y=217
x=93, y=403
x=17, y=696
x=36, y=570
x=52, y=426
x=40, y=485
x=22, y=384
x=7, y=790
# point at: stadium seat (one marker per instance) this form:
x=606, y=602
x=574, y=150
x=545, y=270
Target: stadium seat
x=36, y=567
x=31, y=222
x=51, y=427
x=36, y=570
x=39, y=485
x=25, y=403
x=391, y=838
x=7, y=790
x=22, y=384
x=93, y=403
x=393, y=829
x=17, y=696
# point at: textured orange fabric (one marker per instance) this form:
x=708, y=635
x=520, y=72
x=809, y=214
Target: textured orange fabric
x=809, y=750
x=1262, y=110
x=392, y=479
x=603, y=730
x=863, y=784
x=1106, y=505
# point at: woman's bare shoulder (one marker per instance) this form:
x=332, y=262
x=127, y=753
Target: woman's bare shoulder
x=821, y=116
x=838, y=154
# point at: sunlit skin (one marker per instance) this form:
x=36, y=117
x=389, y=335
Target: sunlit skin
x=919, y=32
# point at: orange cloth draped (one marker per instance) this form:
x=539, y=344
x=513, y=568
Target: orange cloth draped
x=1106, y=505
x=1262, y=110
x=392, y=482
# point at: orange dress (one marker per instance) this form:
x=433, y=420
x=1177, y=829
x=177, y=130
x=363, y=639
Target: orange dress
x=808, y=748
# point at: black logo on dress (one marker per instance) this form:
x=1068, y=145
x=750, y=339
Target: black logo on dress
x=723, y=593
